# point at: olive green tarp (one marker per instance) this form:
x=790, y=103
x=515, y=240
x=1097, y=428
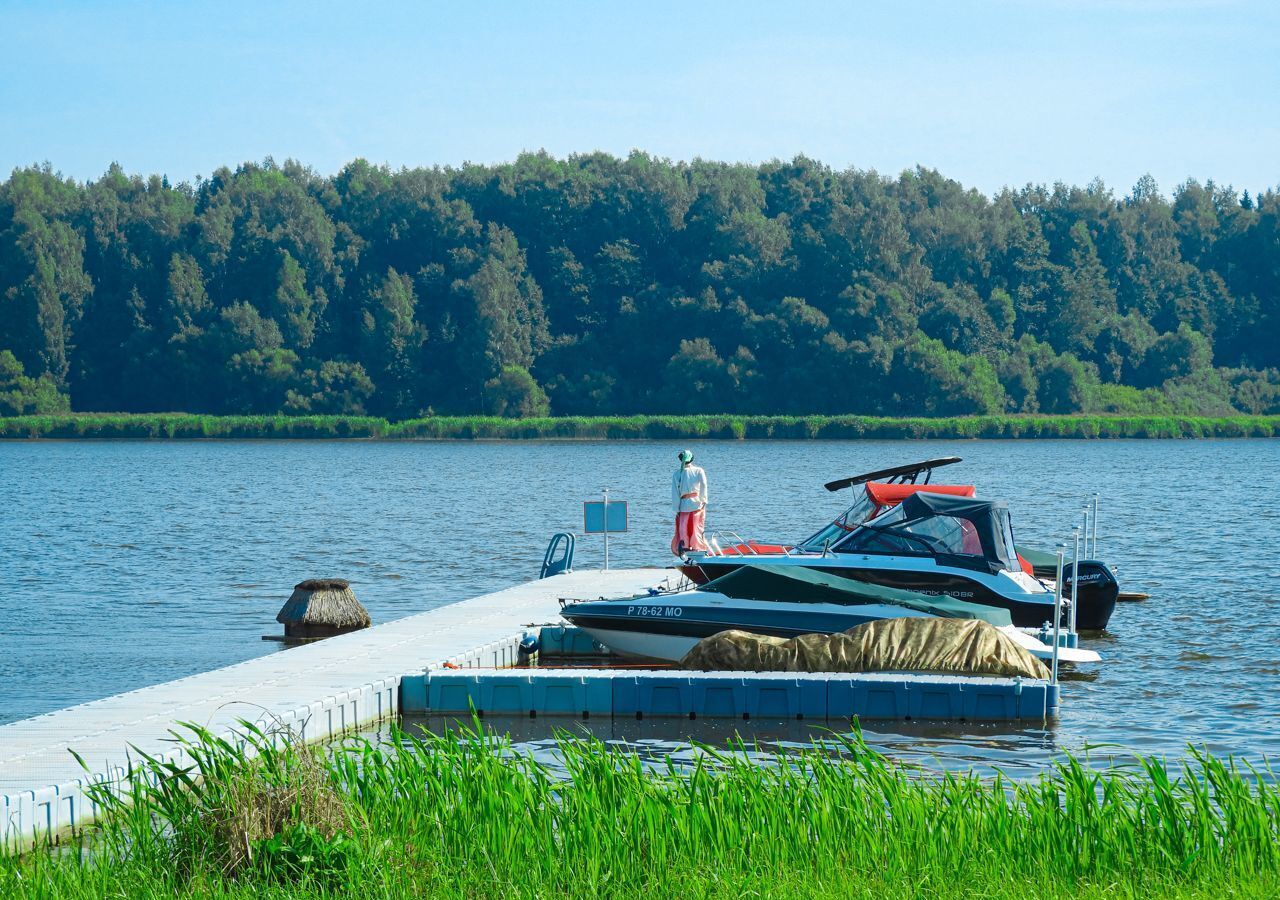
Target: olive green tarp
x=798, y=584
x=950, y=646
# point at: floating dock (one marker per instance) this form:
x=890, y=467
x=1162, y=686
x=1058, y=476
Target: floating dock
x=587, y=693
x=451, y=660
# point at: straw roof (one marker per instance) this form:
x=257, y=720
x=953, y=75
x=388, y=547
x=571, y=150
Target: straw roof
x=322, y=584
x=324, y=601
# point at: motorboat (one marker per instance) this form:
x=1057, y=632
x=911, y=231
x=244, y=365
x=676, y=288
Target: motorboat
x=783, y=601
x=937, y=544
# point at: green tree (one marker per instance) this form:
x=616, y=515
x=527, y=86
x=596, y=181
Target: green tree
x=500, y=321
x=696, y=379
x=932, y=380
x=335, y=388
x=390, y=341
x=20, y=395
x=515, y=394
x=43, y=284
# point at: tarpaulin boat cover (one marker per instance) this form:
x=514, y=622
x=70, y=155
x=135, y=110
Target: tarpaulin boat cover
x=797, y=584
x=950, y=646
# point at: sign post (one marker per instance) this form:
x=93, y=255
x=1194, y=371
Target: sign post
x=606, y=529
x=602, y=517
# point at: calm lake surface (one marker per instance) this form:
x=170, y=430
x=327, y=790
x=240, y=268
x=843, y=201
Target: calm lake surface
x=127, y=564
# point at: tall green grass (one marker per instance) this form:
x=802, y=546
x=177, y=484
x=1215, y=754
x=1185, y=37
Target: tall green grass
x=728, y=427
x=460, y=815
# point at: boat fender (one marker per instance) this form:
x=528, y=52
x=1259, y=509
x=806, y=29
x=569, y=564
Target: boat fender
x=529, y=645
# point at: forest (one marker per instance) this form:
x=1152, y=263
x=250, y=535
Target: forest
x=595, y=285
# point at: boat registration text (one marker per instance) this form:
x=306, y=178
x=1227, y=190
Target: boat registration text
x=666, y=612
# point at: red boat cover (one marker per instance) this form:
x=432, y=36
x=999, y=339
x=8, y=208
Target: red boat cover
x=754, y=548
x=893, y=494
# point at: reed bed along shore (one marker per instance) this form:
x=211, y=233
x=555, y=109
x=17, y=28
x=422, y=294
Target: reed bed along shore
x=730, y=427
x=460, y=815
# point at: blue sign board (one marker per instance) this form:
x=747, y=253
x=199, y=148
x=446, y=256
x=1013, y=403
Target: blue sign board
x=593, y=517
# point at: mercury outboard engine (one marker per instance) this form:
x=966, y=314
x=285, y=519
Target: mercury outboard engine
x=1098, y=593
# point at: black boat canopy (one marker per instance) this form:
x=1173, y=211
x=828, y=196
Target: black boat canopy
x=798, y=584
x=907, y=473
x=958, y=531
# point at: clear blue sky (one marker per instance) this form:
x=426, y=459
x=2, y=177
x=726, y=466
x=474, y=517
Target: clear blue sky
x=990, y=93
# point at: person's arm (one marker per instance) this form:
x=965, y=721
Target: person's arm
x=675, y=492
x=702, y=487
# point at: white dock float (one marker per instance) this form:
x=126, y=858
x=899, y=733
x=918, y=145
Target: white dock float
x=317, y=690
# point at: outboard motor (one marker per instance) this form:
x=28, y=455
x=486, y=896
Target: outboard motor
x=1098, y=593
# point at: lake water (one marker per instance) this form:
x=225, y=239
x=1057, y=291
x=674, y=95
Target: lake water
x=127, y=564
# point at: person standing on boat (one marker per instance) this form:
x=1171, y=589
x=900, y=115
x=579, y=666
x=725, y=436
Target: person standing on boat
x=689, y=496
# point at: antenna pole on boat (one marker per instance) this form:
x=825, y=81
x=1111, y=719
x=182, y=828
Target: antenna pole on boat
x=1095, y=527
x=1057, y=614
x=1075, y=580
x=1085, y=529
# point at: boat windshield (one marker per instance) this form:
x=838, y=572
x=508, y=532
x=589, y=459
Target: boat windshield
x=958, y=531
x=893, y=533
x=838, y=530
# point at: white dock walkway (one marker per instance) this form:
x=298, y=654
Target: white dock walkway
x=318, y=690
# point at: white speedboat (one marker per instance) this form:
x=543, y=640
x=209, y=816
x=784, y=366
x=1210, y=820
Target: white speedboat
x=778, y=601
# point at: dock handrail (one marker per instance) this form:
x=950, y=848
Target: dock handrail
x=551, y=565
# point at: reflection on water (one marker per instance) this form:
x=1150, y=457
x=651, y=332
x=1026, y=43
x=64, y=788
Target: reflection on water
x=127, y=564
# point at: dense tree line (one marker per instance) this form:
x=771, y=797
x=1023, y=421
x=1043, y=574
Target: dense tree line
x=599, y=285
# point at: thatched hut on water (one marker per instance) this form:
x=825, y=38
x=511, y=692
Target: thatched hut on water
x=320, y=608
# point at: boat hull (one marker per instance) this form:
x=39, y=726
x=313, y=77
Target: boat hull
x=644, y=645
x=667, y=627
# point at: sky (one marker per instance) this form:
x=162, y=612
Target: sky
x=1004, y=92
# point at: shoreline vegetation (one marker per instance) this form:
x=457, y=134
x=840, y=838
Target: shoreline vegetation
x=594, y=285
x=463, y=815
x=184, y=426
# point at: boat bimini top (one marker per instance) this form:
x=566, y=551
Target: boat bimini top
x=956, y=531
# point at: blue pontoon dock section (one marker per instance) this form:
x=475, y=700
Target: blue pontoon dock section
x=585, y=693
x=451, y=660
